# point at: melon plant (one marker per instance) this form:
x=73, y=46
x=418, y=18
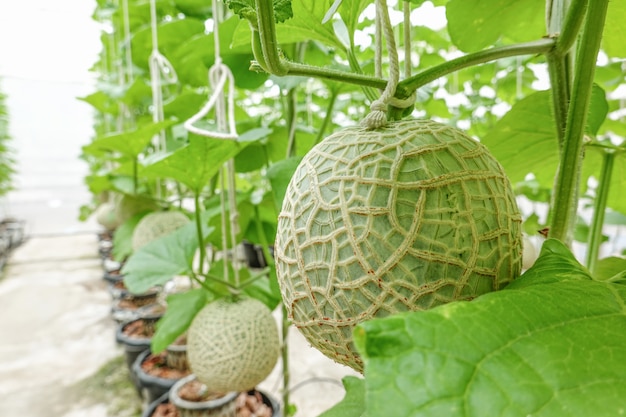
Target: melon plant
x=128, y=205
x=233, y=345
x=155, y=225
x=402, y=218
x=105, y=216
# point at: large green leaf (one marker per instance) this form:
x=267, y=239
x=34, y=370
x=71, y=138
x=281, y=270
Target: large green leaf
x=615, y=30
x=101, y=102
x=279, y=175
x=193, y=58
x=476, y=24
x=195, y=163
x=350, y=11
x=160, y=260
x=353, y=404
x=130, y=143
x=305, y=25
x=524, y=140
x=555, y=263
x=123, y=238
x=181, y=309
x=171, y=35
x=548, y=349
x=612, y=268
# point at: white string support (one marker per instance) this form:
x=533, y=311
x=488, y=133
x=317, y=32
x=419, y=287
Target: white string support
x=161, y=72
x=221, y=79
x=234, y=217
x=378, y=115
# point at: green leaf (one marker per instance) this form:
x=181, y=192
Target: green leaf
x=353, y=404
x=171, y=35
x=181, y=309
x=615, y=31
x=598, y=109
x=350, y=11
x=476, y=24
x=611, y=269
x=101, y=102
x=246, y=9
x=306, y=24
x=193, y=58
x=160, y=260
x=123, y=237
x=194, y=8
x=544, y=350
x=130, y=143
x=279, y=175
x=195, y=163
x=555, y=263
x=524, y=140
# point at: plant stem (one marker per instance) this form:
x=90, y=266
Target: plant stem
x=571, y=26
x=565, y=201
x=284, y=350
x=135, y=174
x=599, y=208
x=334, y=92
x=197, y=211
x=565, y=30
x=292, y=116
x=431, y=74
x=267, y=35
x=356, y=67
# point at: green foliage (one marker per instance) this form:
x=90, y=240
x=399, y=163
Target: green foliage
x=283, y=117
x=195, y=163
x=525, y=350
x=7, y=163
x=162, y=259
x=122, y=239
x=181, y=310
x=476, y=24
x=353, y=404
x=247, y=10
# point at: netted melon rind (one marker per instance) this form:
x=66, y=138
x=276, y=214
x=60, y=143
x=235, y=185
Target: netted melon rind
x=155, y=225
x=402, y=218
x=233, y=346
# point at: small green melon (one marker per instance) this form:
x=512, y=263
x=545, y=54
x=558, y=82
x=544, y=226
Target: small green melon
x=233, y=346
x=128, y=205
x=401, y=218
x=155, y=225
x=105, y=216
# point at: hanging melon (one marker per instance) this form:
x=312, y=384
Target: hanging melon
x=155, y=225
x=233, y=345
x=401, y=218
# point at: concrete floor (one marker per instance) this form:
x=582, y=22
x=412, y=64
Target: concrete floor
x=56, y=330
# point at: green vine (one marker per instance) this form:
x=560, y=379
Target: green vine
x=599, y=207
x=568, y=175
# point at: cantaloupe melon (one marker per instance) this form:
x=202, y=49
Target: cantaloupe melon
x=401, y=218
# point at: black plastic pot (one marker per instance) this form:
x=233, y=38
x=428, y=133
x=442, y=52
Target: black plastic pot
x=254, y=255
x=167, y=398
x=122, y=314
x=151, y=387
x=133, y=347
